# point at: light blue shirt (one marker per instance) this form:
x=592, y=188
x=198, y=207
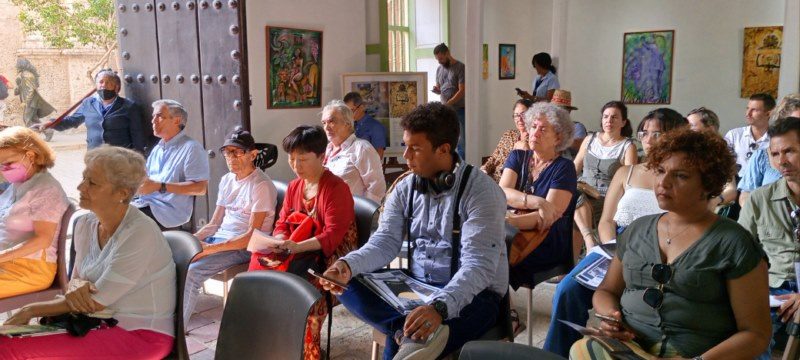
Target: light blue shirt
x=758, y=172
x=484, y=260
x=178, y=160
x=549, y=82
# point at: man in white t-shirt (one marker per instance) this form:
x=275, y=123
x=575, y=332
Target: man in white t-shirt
x=746, y=140
x=246, y=201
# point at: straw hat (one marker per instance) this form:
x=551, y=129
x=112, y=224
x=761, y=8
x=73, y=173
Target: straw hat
x=563, y=98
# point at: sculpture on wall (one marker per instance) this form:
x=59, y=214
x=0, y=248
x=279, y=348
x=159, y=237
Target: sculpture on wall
x=35, y=107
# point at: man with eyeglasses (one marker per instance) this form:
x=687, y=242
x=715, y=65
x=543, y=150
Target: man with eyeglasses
x=771, y=216
x=366, y=126
x=177, y=169
x=747, y=139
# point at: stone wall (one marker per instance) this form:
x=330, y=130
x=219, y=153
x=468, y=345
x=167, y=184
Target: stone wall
x=63, y=72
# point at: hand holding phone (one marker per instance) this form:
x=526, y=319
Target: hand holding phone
x=610, y=319
x=328, y=279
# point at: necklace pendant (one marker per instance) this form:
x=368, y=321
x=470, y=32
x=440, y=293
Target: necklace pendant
x=669, y=241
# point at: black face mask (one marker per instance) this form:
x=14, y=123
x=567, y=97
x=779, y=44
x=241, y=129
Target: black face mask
x=106, y=94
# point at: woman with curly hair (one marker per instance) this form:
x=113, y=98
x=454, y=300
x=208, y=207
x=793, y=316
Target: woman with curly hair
x=686, y=283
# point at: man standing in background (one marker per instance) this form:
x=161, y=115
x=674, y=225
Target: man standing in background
x=450, y=86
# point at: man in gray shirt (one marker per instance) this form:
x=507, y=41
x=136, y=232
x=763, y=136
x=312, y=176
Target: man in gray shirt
x=472, y=286
x=450, y=86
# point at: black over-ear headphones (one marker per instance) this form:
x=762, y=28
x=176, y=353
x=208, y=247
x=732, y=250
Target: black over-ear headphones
x=442, y=181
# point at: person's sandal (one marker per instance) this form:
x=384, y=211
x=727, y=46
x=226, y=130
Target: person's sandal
x=517, y=325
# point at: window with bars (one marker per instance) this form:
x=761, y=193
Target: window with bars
x=399, y=34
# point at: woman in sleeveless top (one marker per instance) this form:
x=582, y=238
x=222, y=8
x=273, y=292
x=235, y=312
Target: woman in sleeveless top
x=630, y=196
x=600, y=156
x=686, y=283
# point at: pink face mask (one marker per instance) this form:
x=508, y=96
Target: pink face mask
x=15, y=173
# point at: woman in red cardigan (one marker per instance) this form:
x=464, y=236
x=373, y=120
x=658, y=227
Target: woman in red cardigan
x=316, y=223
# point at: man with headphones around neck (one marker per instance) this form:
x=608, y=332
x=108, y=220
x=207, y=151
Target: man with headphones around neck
x=456, y=237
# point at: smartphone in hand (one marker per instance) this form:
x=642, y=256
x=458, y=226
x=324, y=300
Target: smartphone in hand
x=323, y=277
x=607, y=318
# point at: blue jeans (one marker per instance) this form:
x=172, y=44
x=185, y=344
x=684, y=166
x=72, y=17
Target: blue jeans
x=571, y=302
x=473, y=321
x=203, y=269
x=462, y=136
x=779, y=336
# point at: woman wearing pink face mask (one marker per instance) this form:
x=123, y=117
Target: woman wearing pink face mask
x=30, y=213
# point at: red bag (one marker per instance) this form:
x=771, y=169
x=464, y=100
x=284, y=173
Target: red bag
x=301, y=227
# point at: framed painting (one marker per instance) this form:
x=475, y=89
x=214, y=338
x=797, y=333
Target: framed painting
x=647, y=67
x=294, y=68
x=761, y=61
x=507, y=65
x=388, y=96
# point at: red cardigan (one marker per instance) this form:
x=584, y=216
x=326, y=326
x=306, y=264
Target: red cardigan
x=335, y=210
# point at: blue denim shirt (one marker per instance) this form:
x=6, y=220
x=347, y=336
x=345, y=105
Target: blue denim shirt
x=371, y=130
x=758, y=172
x=120, y=126
x=549, y=82
x=484, y=260
x=177, y=160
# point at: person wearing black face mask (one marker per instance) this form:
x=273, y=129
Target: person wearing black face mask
x=109, y=118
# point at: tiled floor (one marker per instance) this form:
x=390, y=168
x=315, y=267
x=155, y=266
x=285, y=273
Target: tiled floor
x=351, y=339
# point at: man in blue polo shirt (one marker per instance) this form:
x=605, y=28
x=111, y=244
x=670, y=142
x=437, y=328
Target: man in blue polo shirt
x=367, y=127
x=177, y=169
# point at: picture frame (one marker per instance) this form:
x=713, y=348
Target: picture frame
x=388, y=96
x=647, y=59
x=761, y=60
x=294, y=68
x=507, y=61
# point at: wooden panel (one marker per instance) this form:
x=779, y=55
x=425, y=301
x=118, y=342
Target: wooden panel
x=139, y=56
x=181, y=78
x=223, y=63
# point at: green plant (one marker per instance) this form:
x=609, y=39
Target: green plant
x=83, y=23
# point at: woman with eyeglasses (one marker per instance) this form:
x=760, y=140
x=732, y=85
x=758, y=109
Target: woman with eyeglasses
x=686, y=283
x=512, y=139
x=630, y=196
x=30, y=213
x=600, y=156
x=246, y=202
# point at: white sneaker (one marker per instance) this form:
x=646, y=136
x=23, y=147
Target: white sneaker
x=430, y=349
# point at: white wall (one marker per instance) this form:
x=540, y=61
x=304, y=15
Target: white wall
x=707, y=53
x=527, y=24
x=343, y=50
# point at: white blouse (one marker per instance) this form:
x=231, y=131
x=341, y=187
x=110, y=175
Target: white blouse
x=134, y=273
x=359, y=165
x=40, y=198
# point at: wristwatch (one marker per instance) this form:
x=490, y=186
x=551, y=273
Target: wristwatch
x=698, y=357
x=440, y=308
x=163, y=189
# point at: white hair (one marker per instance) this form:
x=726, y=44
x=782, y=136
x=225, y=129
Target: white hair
x=175, y=109
x=340, y=107
x=557, y=117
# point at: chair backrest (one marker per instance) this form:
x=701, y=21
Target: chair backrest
x=184, y=248
x=475, y=350
x=266, y=157
x=265, y=316
x=62, y=272
x=366, y=210
x=281, y=187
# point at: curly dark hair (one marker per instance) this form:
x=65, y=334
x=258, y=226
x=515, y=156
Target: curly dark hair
x=437, y=121
x=707, y=153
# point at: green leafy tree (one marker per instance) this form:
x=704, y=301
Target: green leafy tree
x=82, y=23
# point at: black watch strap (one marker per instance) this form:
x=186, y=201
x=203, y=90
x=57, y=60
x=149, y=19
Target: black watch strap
x=441, y=308
x=163, y=188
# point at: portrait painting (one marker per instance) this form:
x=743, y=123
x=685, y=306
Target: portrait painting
x=294, y=68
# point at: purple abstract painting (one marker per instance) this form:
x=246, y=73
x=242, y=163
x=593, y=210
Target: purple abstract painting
x=647, y=67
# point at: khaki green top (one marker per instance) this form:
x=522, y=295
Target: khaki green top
x=696, y=314
x=766, y=217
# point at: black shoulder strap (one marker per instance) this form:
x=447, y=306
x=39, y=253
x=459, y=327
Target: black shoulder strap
x=409, y=215
x=456, y=243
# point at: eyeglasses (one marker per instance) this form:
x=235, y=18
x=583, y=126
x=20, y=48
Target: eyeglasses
x=662, y=273
x=643, y=134
x=236, y=153
x=753, y=147
x=518, y=115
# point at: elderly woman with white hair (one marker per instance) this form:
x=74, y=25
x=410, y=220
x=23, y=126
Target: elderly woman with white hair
x=350, y=158
x=543, y=185
x=123, y=269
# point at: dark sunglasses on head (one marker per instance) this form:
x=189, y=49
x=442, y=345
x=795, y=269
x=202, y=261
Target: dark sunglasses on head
x=661, y=273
